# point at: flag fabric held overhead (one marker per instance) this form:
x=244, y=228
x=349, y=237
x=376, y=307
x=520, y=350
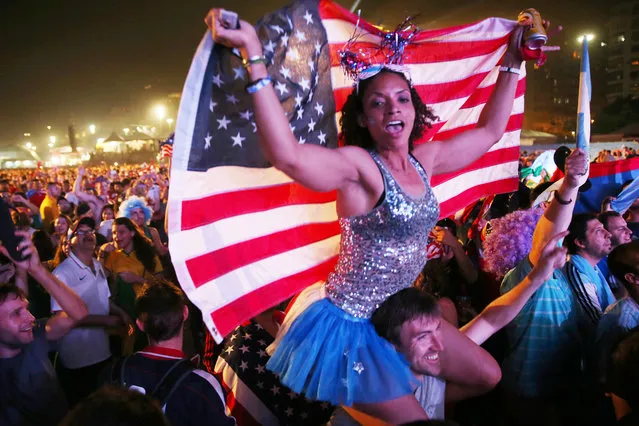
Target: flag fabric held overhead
x=243, y=236
x=166, y=147
x=585, y=94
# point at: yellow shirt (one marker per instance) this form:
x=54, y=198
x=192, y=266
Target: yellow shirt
x=119, y=261
x=49, y=211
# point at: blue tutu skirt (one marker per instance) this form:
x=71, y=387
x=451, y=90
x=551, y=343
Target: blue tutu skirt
x=332, y=356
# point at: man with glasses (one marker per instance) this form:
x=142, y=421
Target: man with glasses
x=84, y=352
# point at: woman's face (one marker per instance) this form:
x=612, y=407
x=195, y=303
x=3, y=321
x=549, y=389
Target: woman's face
x=61, y=226
x=122, y=236
x=388, y=113
x=107, y=214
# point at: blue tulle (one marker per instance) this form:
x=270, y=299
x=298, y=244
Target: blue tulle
x=332, y=356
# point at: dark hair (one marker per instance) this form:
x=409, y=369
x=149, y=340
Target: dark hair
x=20, y=219
x=108, y=206
x=403, y=306
x=603, y=218
x=356, y=135
x=9, y=289
x=43, y=244
x=116, y=406
x=67, y=218
x=60, y=255
x=624, y=369
x=624, y=259
x=538, y=190
x=82, y=208
x=577, y=230
x=160, y=307
x=142, y=246
x=448, y=223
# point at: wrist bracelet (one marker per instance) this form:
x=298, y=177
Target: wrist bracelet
x=254, y=86
x=260, y=59
x=561, y=200
x=510, y=69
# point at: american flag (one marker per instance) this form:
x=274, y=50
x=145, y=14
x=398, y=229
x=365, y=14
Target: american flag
x=243, y=236
x=255, y=396
x=166, y=147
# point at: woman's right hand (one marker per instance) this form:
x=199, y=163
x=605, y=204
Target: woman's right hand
x=245, y=38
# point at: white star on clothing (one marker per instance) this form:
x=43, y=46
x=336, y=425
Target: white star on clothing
x=262, y=353
x=239, y=73
x=304, y=415
x=285, y=40
x=229, y=349
x=305, y=84
x=244, y=365
x=318, y=48
x=261, y=342
x=275, y=389
x=260, y=369
x=322, y=138
x=217, y=80
x=316, y=79
x=300, y=35
x=234, y=336
x=302, y=141
x=246, y=114
x=260, y=385
x=247, y=336
x=298, y=100
x=207, y=141
x=259, y=327
x=232, y=99
x=300, y=113
x=292, y=395
x=243, y=348
x=289, y=412
x=292, y=54
x=237, y=141
x=254, y=126
x=270, y=46
x=212, y=105
x=308, y=17
x=324, y=405
x=281, y=87
x=311, y=126
x=290, y=23
x=223, y=123
x=277, y=28
x=311, y=65
x=290, y=126
x=285, y=72
x=319, y=108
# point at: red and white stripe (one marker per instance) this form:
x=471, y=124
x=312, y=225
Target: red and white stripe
x=243, y=239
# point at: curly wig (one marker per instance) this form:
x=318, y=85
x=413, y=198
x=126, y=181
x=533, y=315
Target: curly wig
x=510, y=240
x=134, y=202
x=354, y=134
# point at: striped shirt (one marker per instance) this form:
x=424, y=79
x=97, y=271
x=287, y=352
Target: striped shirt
x=620, y=317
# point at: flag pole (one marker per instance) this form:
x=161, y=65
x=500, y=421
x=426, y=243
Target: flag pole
x=355, y=5
x=585, y=94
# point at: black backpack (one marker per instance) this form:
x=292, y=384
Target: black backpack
x=167, y=384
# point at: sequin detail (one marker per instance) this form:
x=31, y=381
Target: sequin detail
x=383, y=251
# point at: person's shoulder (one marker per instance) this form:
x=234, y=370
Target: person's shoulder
x=203, y=380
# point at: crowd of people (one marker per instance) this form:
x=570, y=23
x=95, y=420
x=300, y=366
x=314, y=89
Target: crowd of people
x=514, y=313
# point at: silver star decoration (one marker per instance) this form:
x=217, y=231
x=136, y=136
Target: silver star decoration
x=310, y=96
x=229, y=349
x=275, y=389
x=322, y=138
x=244, y=365
x=285, y=40
x=300, y=35
x=270, y=46
x=298, y=100
x=319, y=108
x=260, y=369
x=232, y=99
x=300, y=113
x=261, y=342
x=246, y=114
x=285, y=72
x=305, y=84
x=311, y=65
x=212, y=105
x=260, y=385
x=290, y=23
x=217, y=80
x=308, y=17
x=277, y=28
x=237, y=141
x=318, y=48
x=247, y=336
x=234, y=336
x=302, y=141
x=290, y=126
x=239, y=73
x=292, y=54
x=254, y=126
x=358, y=367
x=244, y=348
x=289, y=412
x=207, y=141
x=311, y=126
x=259, y=327
x=223, y=123
x=262, y=353
x=281, y=87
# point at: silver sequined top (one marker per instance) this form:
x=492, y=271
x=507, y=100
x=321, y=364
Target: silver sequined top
x=383, y=251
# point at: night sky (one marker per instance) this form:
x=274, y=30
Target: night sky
x=82, y=60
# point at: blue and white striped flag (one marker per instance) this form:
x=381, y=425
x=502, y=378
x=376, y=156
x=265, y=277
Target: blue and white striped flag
x=585, y=94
